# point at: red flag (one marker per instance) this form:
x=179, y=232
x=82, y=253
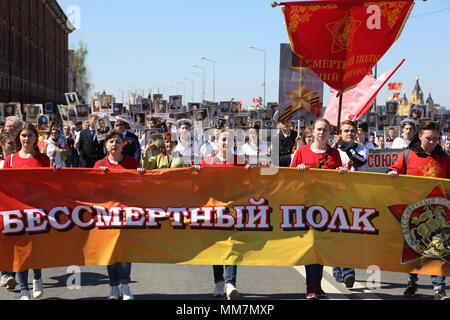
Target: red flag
x=356, y=102
x=342, y=40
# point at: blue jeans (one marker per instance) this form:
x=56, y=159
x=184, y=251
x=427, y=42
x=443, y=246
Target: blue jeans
x=437, y=281
x=119, y=273
x=344, y=271
x=23, y=278
x=314, y=274
x=230, y=274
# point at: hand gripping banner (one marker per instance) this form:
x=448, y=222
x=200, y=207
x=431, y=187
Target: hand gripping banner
x=342, y=40
x=223, y=216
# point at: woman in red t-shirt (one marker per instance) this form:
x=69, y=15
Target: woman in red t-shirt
x=321, y=156
x=225, y=157
x=120, y=272
x=28, y=156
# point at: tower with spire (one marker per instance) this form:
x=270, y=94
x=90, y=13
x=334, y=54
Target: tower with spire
x=403, y=109
x=417, y=94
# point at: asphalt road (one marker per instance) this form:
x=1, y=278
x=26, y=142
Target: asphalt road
x=184, y=282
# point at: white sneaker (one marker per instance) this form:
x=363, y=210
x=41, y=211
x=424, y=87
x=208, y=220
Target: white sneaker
x=126, y=292
x=114, y=294
x=11, y=283
x=38, y=290
x=231, y=291
x=3, y=280
x=219, y=290
x=25, y=295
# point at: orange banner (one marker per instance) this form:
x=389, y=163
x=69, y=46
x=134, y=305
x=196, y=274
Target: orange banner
x=223, y=216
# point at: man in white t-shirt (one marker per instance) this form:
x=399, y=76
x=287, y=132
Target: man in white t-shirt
x=408, y=131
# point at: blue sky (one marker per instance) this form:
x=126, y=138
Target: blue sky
x=147, y=44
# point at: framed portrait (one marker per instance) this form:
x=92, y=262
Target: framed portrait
x=445, y=124
x=181, y=115
x=161, y=108
x=175, y=103
x=64, y=113
x=81, y=112
x=254, y=114
x=43, y=121
x=225, y=107
x=48, y=108
x=135, y=108
x=256, y=123
x=415, y=113
x=157, y=97
x=139, y=119
x=149, y=132
x=102, y=127
x=265, y=114
x=9, y=110
x=372, y=119
x=391, y=107
x=235, y=106
x=72, y=98
x=219, y=123
x=95, y=105
x=383, y=121
x=146, y=106
x=32, y=111
x=201, y=117
x=390, y=134
x=117, y=109
x=106, y=104
x=272, y=106
x=192, y=106
x=214, y=110
x=72, y=113
x=240, y=120
x=424, y=109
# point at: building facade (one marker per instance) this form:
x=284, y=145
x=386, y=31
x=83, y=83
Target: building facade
x=34, y=40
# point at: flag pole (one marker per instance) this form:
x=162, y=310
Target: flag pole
x=341, y=94
x=275, y=4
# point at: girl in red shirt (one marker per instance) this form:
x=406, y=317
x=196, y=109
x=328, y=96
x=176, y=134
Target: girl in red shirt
x=225, y=157
x=120, y=272
x=317, y=155
x=28, y=156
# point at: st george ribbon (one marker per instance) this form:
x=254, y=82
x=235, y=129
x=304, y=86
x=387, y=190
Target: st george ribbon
x=342, y=40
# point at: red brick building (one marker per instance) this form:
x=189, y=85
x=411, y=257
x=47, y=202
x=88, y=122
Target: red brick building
x=34, y=40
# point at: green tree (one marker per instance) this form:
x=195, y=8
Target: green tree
x=80, y=72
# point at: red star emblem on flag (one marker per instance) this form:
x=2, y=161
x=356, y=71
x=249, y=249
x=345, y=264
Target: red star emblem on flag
x=425, y=226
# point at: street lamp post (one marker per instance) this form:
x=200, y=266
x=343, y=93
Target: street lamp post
x=192, y=83
x=264, y=84
x=203, y=83
x=184, y=87
x=214, y=76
